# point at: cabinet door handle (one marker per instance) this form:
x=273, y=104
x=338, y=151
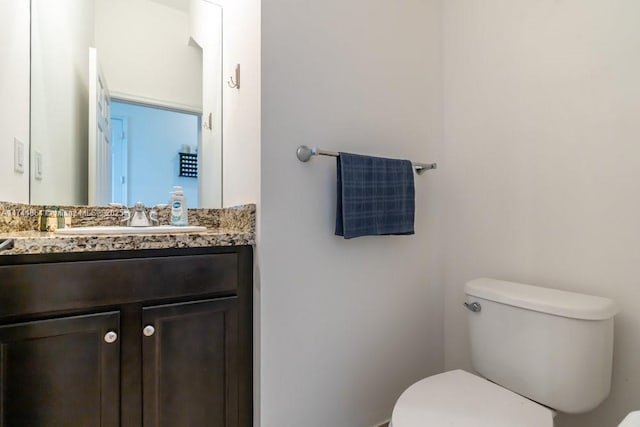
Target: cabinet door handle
x=148, y=330
x=110, y=337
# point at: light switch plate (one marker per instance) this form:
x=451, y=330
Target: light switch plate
x=37, y=164
x=18, y=155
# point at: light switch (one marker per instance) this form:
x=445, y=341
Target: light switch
x=18, y=155
x=37, y=164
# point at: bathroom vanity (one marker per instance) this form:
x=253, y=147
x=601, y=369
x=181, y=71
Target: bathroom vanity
x=159, y=337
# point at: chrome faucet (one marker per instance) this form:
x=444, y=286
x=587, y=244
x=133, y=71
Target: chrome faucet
x=153, y=215
x=139, y=217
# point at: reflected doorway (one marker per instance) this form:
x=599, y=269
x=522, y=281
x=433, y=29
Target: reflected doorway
x=119, y=160
x=146, y=160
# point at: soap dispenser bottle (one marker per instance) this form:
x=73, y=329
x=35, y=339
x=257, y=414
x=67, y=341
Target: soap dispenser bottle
x=178, y=204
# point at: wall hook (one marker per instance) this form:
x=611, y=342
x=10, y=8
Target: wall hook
x=208, y=124
x=235, y=83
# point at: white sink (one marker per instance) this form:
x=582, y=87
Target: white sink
x=120, y=230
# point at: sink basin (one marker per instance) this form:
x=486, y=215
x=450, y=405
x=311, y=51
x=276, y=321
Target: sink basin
x=120, y=230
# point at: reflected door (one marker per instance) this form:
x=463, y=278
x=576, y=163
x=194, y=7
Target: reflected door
x=99, y=134
x=119, y=160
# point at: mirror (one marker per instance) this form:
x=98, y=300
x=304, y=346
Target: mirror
x=126, y=101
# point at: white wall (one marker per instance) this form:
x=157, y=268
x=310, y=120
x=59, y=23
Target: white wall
x=346, y=325
x=205, y=23
x=62, y=32
x=542, y=162
x=154, y=140
x=241, y=118
x=14, y=101
x=145, y=55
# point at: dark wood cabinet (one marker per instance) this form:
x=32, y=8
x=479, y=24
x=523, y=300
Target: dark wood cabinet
x=189, y=352
x=142, y=338
x=61, y=372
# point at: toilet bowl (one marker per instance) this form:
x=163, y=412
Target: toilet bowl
x=631, y=420
x=526, y=342
x=461, y=399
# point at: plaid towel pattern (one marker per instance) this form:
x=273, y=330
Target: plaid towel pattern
x=376, y=196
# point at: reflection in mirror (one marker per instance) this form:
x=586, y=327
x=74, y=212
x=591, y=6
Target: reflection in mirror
x=161, y=59
x=156, y=136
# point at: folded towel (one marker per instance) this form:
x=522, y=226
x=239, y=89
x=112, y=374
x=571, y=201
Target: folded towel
x=376, y=196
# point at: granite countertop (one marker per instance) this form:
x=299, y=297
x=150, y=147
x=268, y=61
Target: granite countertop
x=225, y=227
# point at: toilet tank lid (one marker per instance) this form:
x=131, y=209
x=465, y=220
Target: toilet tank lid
x=545, y=300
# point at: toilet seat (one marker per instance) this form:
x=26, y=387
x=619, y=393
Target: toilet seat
x=631, y=420
x=460, y=399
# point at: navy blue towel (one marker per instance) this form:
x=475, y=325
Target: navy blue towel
x=376, y=196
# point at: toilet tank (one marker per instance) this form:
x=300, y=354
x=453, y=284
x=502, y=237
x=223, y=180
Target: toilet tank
x=551, y=346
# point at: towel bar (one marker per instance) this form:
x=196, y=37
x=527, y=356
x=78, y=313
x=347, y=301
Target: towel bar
x=305, y=153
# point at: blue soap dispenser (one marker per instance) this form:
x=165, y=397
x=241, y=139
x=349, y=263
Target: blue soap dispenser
x=178, y=205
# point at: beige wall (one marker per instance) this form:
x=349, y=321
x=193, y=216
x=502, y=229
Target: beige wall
x=346, y=325
x=14, y=98
x=541, y=165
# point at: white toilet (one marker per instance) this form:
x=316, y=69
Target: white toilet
x=631, y=420
x=537, y=350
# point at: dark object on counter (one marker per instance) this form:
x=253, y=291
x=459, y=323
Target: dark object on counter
x=6, y=244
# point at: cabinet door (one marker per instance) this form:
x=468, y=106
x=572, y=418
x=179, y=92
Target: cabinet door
x=190, y=366
x=60, y=372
